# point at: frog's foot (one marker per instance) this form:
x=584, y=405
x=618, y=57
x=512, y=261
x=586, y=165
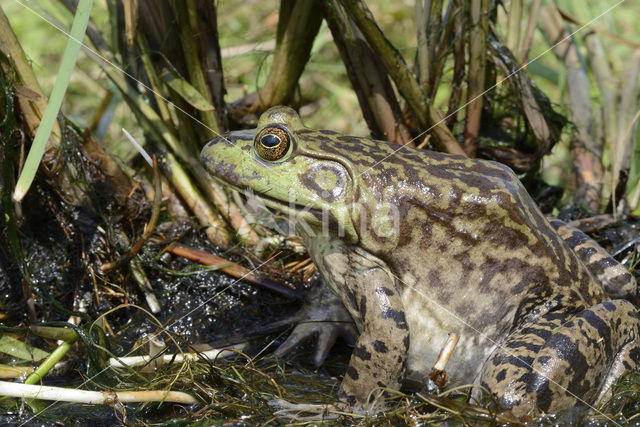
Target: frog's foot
x=564, y=359
x=312, y=412
x=324, y=318
x=325, y=333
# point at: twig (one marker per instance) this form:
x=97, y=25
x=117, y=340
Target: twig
x=233, y=269
x=438, y=374
x=607, y=34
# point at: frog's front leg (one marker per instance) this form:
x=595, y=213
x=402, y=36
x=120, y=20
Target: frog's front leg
x=564, y=358
x=369, y=291
x=379, y=358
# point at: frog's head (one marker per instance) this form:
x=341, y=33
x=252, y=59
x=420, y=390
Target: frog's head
x=282, y=162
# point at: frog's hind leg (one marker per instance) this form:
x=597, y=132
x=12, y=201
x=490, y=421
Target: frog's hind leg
x=562, y=360
x=627, y=359
x=614, y=278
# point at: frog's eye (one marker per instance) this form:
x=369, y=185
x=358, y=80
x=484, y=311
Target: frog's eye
x=273, y=143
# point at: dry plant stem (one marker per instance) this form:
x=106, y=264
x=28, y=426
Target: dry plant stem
x=155, y=213
x=139, y=276
x=187, y=129
x=399, y=72
x=440, y=56
x=31, y=99
x=438, y=374
x=428, y=23
x=99, y=112
x=593, y=28
x=95, y=151
x=628, y=109
x=226, y=207
x=284, y=15
x=299, y=264
x=447, y=351
x=155, y=83
x=232, y=269
x=213, y=354
x=192, y=197
x=179, y=179
x=607, y=85
x=534, y=10
x=186, y=13
x=26, y=391
x=434, y=43
x=7, y=372
x=211, y=59
x=458, y=66
x=152, y=25
x=292, y=54
x=479, y=21
x=405, y=81
x=422, y=9
x=215, y=229
x=442, y=135
x=586, y=152
x=368, y=78
x=514, y=20
x=130, y=21
x=539, y=114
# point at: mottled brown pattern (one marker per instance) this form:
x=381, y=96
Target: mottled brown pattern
x=614, y=278
x=585, y=345
x=471, y=254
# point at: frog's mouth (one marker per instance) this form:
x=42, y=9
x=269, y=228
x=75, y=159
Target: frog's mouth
x=306, y=212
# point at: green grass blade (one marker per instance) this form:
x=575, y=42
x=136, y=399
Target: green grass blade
x=186, y=90
x=80, y=21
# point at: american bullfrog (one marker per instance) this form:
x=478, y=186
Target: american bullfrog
x=417, y=244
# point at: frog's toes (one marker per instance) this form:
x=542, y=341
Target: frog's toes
x=304, y=411
x=325, y=334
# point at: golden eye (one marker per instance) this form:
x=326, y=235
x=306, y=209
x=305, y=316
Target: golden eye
x=272, y=143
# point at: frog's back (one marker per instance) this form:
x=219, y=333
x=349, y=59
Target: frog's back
x=472, y=219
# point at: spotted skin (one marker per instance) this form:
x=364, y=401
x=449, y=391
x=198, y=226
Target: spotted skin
x=596, y=345
x=369, y=290
x=614, y=278
x=418, y=244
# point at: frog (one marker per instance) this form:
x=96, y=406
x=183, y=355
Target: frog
x=412, y=245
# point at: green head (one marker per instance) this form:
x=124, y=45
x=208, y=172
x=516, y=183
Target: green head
x=287, y=166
